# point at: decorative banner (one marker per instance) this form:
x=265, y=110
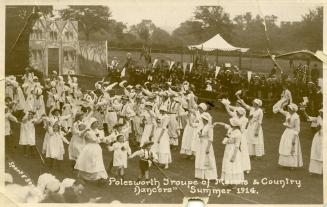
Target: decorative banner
x=171, y=65
x=191, y=66
x=217, y=71
x=155, y=63
x=123, y=73
x=249, y=75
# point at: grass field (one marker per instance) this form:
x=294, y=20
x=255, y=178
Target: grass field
x=310, y=192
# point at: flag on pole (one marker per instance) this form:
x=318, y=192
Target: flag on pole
x=171, y=65
x=217, y=71
x=154, y=63
x=249, y=75
x=191, y=66
x=123, y=73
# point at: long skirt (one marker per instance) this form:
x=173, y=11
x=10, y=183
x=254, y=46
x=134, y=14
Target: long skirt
x=205, y=164
x=162, y=149
x=90, y=163
x=255, y=143
x=245, y=158
x=286, y=158
x=316, y=160
x=187, y=140
x=146, y=133
x=232, y=172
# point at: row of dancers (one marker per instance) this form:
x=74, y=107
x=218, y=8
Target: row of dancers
x=155, y=118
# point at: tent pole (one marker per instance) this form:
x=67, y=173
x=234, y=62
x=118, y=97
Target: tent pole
x=216, y=57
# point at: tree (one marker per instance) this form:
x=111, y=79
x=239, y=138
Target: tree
x=311, y=29
x=90, y=19
x=214, y=20
x=143, y=30
x=19, y=22
x=189, y=32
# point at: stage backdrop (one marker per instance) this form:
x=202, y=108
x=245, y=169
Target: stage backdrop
x=92, y=58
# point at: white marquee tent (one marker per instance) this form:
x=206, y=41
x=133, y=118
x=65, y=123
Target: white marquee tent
x=217, y=43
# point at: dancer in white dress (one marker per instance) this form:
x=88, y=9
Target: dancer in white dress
x=121, y=152
x=254, y=133
x=90, y=161
x=161, y=144
x=205, y=162
x=27, y=132
x=55, y=149
x=232, y=169
x=290, y=154
x=190, y=132
x=77, y=141
x=240, y=113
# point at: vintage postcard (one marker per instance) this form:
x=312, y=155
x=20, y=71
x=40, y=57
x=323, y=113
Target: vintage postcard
x=137, y=102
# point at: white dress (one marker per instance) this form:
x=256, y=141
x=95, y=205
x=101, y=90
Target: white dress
x=290, y=141
x=55, y=148
x=189, y=134
x=232, y=172
x=90, y=161
x=245, y=158
x=162, y=149
x=27, y=132
x=316, y=157
x=255, y=143
x=77, y=142
x=121, y=152
x=149, y=126
x=205, y=164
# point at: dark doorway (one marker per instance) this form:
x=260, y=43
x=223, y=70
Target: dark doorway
x=53, y=60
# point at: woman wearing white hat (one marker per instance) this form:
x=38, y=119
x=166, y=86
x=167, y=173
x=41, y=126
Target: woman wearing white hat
x=161, y=144
x=232, y=169
x=90, y=161
x=254, y=133
x=290, y=154
x=240, y=113
x=205, y=161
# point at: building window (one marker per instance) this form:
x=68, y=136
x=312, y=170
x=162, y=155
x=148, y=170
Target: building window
x=36, y=34
x=53, y=36
x=69, y=36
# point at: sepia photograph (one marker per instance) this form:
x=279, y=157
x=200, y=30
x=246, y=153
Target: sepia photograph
x=152, y=102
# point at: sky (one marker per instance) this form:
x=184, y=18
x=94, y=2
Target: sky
x=168, y=14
